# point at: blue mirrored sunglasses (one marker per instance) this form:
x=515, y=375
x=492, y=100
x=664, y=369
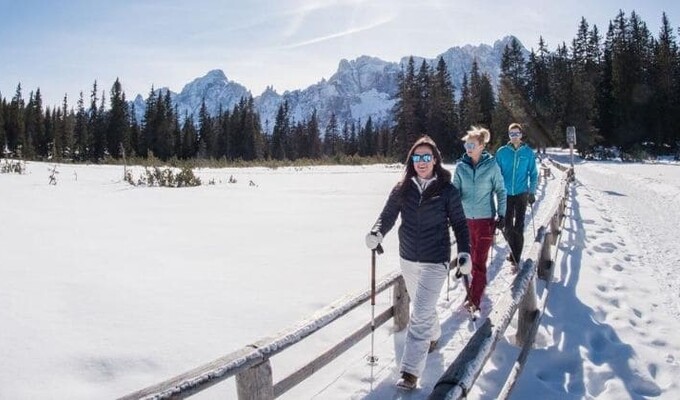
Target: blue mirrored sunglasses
x=514, y=134
x=421, y=157
x=469, y=146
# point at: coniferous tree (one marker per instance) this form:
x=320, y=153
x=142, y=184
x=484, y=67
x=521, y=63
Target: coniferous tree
x=406, y=112
x=441, y=110
x=81, y=134
x=582, y=107
x=281, y=133
x=189, y=138
x=97, y=145
x=206, y=134
x=57, y=142
x=3, y=137
x=118, y=129
x=15, y=125
x=34, y=125
x=512, y=105
x=422, y=93
x=487, y=100
x=331, y=139
x=314, y=137
x=367, y=139
x=464, y=116
x=67, y=127
x=664, y=75
x=538, y=92
x=147, y=136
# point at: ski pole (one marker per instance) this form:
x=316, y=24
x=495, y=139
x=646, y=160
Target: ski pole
x=533, y=221
x=372, y=359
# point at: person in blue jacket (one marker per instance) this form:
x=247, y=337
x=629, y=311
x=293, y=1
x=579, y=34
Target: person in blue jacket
x=518, y=166
x=430, y=208
x=479, y=180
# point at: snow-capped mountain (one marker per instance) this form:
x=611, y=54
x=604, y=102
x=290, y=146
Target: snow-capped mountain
x=359, y=89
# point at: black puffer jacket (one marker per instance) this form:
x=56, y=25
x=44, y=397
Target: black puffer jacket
x=425, y=220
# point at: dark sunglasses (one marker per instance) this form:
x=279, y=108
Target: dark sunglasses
x=416, y=158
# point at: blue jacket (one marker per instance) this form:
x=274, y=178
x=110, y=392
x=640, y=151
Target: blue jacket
x=518, y=167
x=425, y=220
x=478, y=184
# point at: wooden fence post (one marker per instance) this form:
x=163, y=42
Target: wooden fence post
x=256, y=383
x=400, y=301
x=528, y=309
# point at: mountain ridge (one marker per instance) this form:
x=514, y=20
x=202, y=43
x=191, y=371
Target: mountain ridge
x=360, y=88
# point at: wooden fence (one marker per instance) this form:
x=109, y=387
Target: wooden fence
x=252, y=367
x=458, y=379
x=251, y=364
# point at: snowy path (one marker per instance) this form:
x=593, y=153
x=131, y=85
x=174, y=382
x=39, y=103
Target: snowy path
x=611, y=323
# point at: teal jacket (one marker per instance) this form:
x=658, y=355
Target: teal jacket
x=518, y=167
x=478, y=184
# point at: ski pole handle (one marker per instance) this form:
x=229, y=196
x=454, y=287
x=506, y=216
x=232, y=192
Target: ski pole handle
x=379, y=249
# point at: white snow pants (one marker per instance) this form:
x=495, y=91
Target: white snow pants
x=424, y=283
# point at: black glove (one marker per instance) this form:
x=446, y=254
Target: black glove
x=531, y=198
x=500, y=222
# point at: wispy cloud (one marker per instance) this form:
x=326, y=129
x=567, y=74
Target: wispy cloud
x=336, y=35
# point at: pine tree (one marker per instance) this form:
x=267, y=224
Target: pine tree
x=118, y=130
x=314, y=137
x=367, y=139
x=147, y=138
x=3, y=136
x=582, y=103
x=206, y=133
x=664, y=74
x=281, y=133
x=540, y=97
x=464, y=117
x=68, y=126
x=405, y=112
x=331, y=143
x=135, y=132
x=81, y=134
x=15, y=123
x=441, y=110
x=97, y=145
x=512, y=99
x=189, y=138
x=34, y=125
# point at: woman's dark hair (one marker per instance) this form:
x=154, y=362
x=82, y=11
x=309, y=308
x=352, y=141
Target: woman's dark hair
x=439, y=170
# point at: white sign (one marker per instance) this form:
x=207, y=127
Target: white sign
x=571, y=135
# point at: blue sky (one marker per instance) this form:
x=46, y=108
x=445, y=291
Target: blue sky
x=64, y=46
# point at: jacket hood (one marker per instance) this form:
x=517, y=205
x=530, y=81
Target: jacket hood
x=486, y=156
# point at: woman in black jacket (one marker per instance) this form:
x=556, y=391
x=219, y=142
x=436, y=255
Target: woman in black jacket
x=428, y=204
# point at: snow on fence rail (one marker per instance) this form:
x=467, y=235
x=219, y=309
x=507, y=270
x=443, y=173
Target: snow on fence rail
x=253, y=371
x=458, y=379
x=251, y=364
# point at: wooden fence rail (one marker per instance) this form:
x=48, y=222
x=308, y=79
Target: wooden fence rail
x=251, y=364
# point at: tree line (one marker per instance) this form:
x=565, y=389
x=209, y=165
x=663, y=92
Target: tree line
x=620, y=89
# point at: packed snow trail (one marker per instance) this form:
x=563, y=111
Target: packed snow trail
x=611, y=322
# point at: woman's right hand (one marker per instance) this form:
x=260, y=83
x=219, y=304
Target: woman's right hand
x=373, y=240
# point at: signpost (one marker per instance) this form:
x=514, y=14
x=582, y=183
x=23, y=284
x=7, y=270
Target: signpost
x=571, y=140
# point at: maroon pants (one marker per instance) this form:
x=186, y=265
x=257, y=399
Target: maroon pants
x=481, y=235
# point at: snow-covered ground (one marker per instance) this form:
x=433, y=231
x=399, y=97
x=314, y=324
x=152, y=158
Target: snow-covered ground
x=107, y=288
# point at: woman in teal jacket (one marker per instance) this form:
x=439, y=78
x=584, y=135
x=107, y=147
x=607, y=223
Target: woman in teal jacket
x=482, y=190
